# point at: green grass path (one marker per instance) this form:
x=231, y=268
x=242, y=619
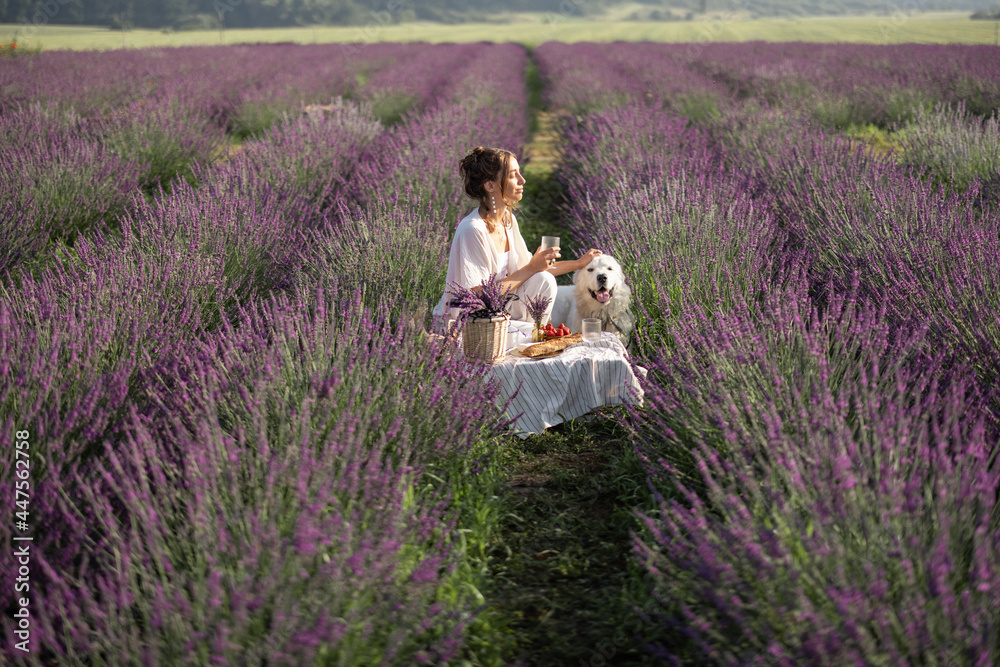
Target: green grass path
x=561, y=567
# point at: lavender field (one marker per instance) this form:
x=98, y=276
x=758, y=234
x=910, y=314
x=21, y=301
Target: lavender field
x=244, y=448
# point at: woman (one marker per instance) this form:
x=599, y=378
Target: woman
x=487, y=241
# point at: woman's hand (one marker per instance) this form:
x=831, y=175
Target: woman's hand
x=542, y=259
x=587, y=257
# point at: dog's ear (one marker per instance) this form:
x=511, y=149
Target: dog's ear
x=578, y=276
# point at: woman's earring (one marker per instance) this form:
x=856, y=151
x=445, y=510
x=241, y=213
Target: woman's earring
x=494, y=200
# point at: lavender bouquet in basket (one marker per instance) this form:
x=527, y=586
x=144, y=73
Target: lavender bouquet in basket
x=485, y=333
x=490, y=301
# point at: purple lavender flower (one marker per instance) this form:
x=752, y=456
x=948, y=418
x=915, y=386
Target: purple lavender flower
x=536, y=305
x=491, y=300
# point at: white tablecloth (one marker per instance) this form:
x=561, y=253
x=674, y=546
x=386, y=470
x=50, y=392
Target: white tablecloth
x=549, y=391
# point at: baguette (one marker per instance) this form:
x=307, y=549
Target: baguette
x=550, y=346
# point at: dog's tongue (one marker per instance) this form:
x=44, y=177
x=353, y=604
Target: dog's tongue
x=603, y=295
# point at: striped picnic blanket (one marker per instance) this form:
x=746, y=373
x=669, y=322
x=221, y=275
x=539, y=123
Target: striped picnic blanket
x=549, y=391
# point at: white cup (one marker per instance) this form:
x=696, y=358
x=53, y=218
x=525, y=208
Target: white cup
x=550, y=242
x=591, y=329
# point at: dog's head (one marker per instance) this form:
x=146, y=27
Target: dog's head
x=601, y=278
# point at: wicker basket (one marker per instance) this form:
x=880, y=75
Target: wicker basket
x=485, y=340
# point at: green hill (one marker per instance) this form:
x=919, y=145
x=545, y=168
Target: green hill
x=534, y=29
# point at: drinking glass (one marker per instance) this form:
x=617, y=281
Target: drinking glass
x=591, y=329
x=550, y=242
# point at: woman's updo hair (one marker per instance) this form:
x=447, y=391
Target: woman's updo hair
x=482, y=165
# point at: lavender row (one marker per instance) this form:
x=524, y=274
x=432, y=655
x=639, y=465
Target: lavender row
x=587, y=76
x=68, y=160
x=137, y=121
x=188, y=361
x=261, y=505
x=308, y=160
x=858, y=83
x=923, y=253
x=925, y=249
x=75, y=174
x=840, y=84
x=826, y=491
x=376, y=208
x=958, y=151
x=821, y=347
x=223, y=82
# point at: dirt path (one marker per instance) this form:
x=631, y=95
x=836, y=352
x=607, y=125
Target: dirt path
x=539, y=214
x=543, y=152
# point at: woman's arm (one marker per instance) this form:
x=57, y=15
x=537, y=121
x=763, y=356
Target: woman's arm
x=560, y=268
x=539, y=262
x=586, y=258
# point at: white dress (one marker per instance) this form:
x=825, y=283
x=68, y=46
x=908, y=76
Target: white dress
x=504, y=263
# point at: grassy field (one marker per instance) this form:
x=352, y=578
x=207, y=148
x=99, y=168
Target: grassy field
x=533, y=29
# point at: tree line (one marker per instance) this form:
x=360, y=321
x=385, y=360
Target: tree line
x=194, y=14
x=182, y=14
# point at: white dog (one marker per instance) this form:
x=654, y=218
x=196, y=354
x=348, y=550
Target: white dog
x=598, y=290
